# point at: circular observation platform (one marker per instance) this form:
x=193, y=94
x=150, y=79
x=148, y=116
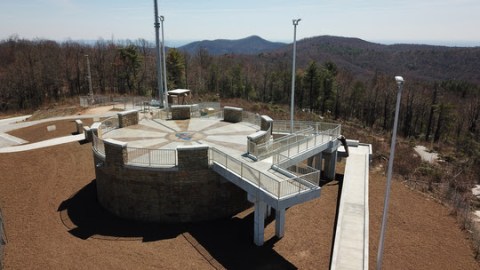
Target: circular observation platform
x=186, y=190
x=169, y=134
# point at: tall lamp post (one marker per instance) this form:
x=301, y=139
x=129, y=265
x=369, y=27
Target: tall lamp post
x=399, y=81
x=165, y=91
x=89, y=76
x=159, y=63
x=292, y=96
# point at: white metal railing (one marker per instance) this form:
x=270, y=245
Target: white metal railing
x=280, y=126
x=304, y=171
x=108, y=125
x=252, y=118
x=266, y=149
x=304, y=132
x=151, y=157
x=98, y=145
x=276, y=187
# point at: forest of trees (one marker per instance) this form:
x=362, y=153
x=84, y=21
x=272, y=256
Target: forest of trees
x=36, y=72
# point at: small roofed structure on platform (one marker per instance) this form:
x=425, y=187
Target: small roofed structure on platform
x=179, y=96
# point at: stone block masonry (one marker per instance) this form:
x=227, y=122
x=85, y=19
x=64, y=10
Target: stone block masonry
x=232, y=114
x=115, y=153
x=127, y=118
x=192, y=157
x=189, y=192
x=180, y=112
x=79, y=126
x=266, y=123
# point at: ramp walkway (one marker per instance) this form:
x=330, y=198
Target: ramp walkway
x=270, y=182
x=350, y=250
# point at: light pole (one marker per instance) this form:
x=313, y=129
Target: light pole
x=399, y=81
x=292, y=97
x=165, y=91
x=89, y=76
x=159, y=63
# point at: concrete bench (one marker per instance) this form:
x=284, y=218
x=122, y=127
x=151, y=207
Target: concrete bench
x=79, y=125
x=180, y=112
x=232, y=114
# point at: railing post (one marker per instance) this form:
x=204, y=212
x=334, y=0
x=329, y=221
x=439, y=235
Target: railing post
x=278, y=194
x=149, y=157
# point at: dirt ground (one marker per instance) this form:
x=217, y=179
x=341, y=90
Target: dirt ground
x=53, y=221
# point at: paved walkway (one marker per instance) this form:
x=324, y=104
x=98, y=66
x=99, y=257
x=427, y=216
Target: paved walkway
x=9, y=143
x=350, y=249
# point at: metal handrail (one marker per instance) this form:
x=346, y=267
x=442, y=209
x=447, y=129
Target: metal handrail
x=279, y=189
x=98, y=145
x=151, y=157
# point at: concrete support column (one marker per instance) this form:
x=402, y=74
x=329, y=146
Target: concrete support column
x=280, y=222
x=259, y=222
x=310, y=161
x=330, y=164
x=318, y=162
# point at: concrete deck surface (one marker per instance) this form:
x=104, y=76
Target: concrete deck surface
x=351, y=237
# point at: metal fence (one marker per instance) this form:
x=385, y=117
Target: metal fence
x=266, y=149
x=107, y=125
x=151, y=157
x=98, y=145
x=278, y=188
x=280, y=126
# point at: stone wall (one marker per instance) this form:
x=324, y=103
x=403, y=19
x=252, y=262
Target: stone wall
x=192, y=157
x=79, y=126
x=232, y=114
x=189, y=192
x=180, y=112
x=115, y=152
x=127, y=118
x=266, y=122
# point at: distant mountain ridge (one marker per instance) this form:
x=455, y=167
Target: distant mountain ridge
x=428, y=62
x=249, y=45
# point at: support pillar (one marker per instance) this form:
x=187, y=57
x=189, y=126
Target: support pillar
x=318, y=162
x=330, y=164
x=280, y=222
x=310, y=161
x=259, y=222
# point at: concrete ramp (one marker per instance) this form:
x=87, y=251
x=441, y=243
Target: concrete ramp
x=350, y=250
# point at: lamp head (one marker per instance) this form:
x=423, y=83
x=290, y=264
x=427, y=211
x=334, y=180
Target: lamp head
x=399, y=80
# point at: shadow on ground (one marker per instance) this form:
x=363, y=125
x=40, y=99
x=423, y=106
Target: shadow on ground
x=229, y=242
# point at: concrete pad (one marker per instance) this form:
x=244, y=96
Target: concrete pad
x=350, y=249
x=9, y=140
x=42, y=144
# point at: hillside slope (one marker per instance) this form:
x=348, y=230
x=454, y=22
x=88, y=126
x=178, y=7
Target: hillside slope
x=248, y=45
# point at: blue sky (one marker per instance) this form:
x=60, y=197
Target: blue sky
x=450, y=22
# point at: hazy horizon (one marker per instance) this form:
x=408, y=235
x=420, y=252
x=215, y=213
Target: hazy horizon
x=439, y=22
x=180, y=43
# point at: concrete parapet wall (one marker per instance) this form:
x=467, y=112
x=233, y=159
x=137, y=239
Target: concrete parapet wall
x=180, y=112
x=232, y=114
x=258, y=137
x=185, y=194
x=192, y=157
x=79, y=126
x=87, y=131
x=115, y=153
x=127, y=118
x=266, y=123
